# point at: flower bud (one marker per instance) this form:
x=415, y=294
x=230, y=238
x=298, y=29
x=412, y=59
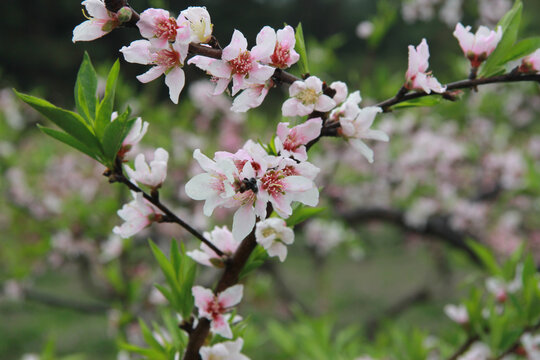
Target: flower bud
x=124, y=14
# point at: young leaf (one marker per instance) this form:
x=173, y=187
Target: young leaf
x=485, y=256
x=114, y=134
x=256, y=259
x=165, y=266
x=68, y=140
x=523, y=48
x=510, y=26
x=86, y=89
x=302, y=213
x=420, y=102
x=301, y=49
x=72, y=123
x=105, y=107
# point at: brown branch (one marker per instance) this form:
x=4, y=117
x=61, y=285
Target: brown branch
x=63, y=303
x=464, y=347
x=117, y=175
x=436, y=225
x=512, y=76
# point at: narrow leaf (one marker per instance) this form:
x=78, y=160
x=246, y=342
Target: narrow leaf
x=72, y=123
x=68, y=140
x=302, y=213
x=523, y=48
x=510, y=27
x=419, y=102
x=86, y=89
x=114, y=134
x=485, y=256
x=300, y=47
x=105, y=107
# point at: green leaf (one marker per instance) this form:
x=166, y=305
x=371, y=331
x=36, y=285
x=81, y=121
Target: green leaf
x=86, y=89
x=165, y=265
x=419, y=102
x=114, y=134
x=485, y=256
x=72, y=123
x=300, y=47
x=188, y=301
x=302, y=213
x=256, y=259
x=105, y=107
x=523, y=48
x=510, y=26
x=149, y=337
x=68, y=140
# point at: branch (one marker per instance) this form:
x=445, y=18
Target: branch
x=512, y=76
x=118, y=176
x=464, y=347
x=436, y=225
x=43, y=298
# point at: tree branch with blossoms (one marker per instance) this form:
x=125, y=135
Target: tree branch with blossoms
x=261, y=182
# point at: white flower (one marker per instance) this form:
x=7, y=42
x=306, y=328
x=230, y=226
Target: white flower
x=199, y=23
x=134, y=136
x=307, y=96
x=273, y=235
x=223, y=239
x=228, y=350
x=417, y=76
x=153, y=175
x=100, y=22
x=137, y=215
x=356, y=123
x=457, y=314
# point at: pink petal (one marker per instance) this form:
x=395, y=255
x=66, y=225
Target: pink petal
x=88, y=31
x=325, y=103
x=96, y=9
x=138, y=52
x=203, y=297
x=221, y=327
x=266, y=42
x=238, y=44
x=175, y=80
x=152, y=74
x=243, y=222
x=231, y=296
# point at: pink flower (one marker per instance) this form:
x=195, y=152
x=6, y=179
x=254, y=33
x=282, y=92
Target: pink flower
x=477, y=47
x=531, y=63
x=288, y=182
x=237, y=63
x=457, y=314
x=167, y=60
x=282, y=44
x=159, y=27
x=134, y=136
x=531, y=344
x=213, y=307
x=274, y=236
x=101, y=22
x=223, y=239
x=417, y=77
x=307, y=96
x=356, y=123
x=251, y=97
x=137, y=215
x=228, y=350
x=153, y=175
x=216, y=186
x=199, y=23
x=291, y=142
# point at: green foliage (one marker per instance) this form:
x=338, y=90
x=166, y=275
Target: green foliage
x=301, y=213
x=179, y=273
x=300, y=47
x=420, y=102
x=510, y=26
x=91, y=130
x=314, y=339
x=256, y=259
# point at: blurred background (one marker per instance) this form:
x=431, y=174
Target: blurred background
x=390, y=243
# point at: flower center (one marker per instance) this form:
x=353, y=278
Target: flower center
x=198, y=28
x=215, y=308
x=167, y=58
x=166, y=28
x=308, y=96
x=280, y=56
x=242, y=64
x=268, y=232
x=271, y=182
